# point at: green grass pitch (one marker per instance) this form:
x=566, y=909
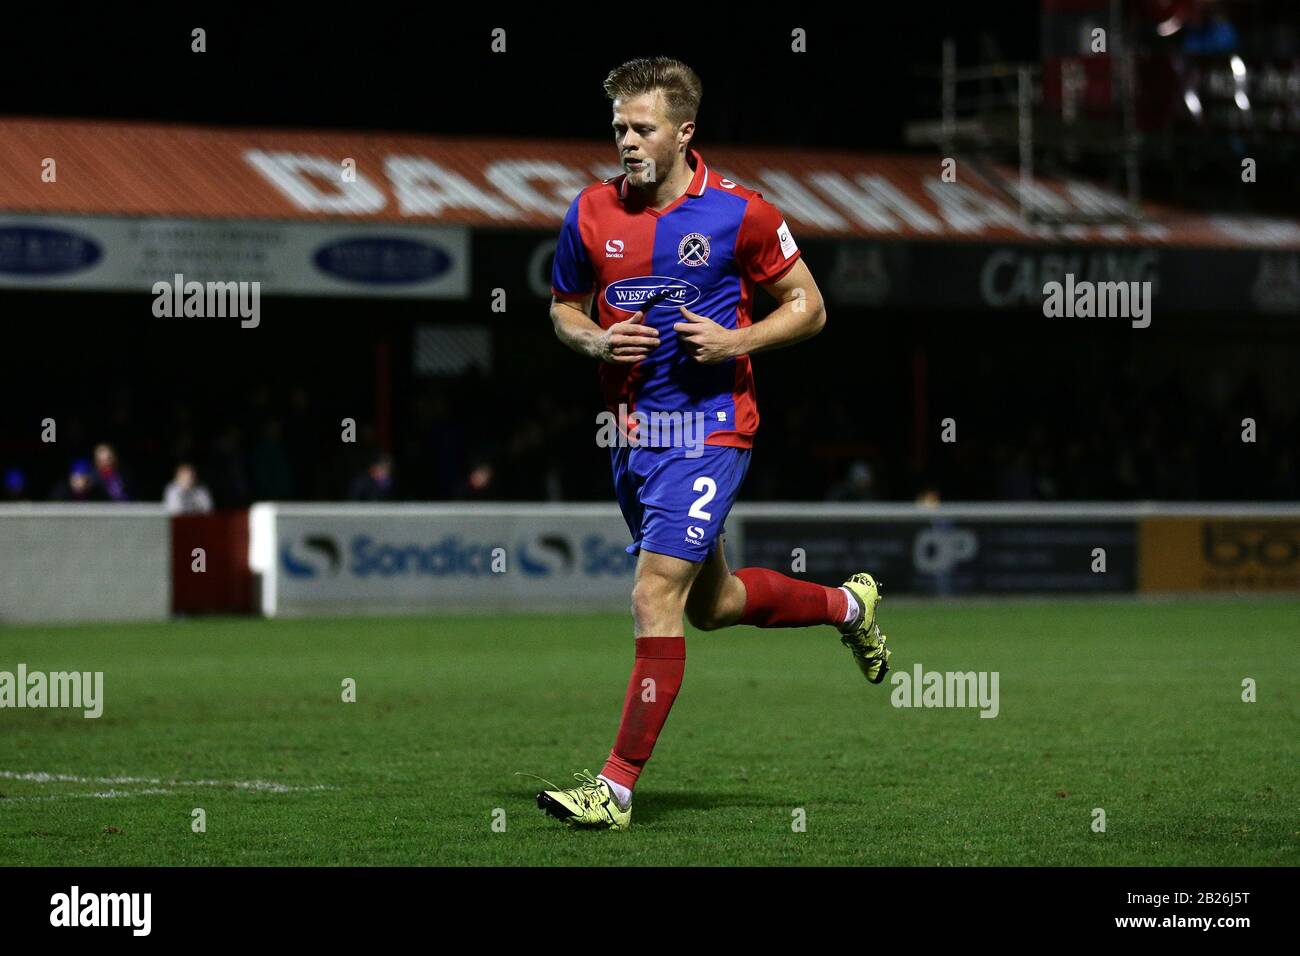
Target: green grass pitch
x=1134, y=708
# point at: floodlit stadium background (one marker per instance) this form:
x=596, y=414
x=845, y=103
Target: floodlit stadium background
x=412, y=302
x=1156, y=466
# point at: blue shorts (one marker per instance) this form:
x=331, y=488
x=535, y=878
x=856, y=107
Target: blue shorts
x=674, y=504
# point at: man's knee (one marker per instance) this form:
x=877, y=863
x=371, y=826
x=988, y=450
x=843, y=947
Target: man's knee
x=705, y=618
x=653, y=596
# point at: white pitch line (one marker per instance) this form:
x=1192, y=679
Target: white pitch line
x=155, y=785
x=102, y=795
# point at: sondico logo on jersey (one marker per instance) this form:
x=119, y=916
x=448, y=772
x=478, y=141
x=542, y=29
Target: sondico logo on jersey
x=613, y=248
x=631, y=295
x=693, y=250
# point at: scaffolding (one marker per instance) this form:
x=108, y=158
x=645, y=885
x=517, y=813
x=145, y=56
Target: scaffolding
x=993, y=116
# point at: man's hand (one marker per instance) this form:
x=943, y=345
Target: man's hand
x=704, y=340
x=629, y=341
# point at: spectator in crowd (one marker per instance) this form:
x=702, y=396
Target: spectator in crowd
x=859, y=485
x=185, y=496
x=375, y=483
x=268, y=465
x=15, y=485
x=228, y=474
x=109, y=474
x=479, y=483
x=80, y=485
x=928, y=496
x=1016, y=478
x=1210, y=31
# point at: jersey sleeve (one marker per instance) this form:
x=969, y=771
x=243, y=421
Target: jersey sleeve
x=765, y=248
x=571, y=275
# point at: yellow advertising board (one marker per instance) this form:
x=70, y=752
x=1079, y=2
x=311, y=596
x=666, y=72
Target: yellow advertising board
x=1218, y=554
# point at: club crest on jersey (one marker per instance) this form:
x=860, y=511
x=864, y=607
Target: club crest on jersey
x=693, y=250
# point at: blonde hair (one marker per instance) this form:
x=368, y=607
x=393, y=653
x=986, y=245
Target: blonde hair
x=680, y=86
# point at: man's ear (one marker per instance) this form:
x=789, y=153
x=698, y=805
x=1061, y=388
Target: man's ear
x=686, y=133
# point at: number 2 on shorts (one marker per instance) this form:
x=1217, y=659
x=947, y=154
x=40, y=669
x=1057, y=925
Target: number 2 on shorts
x=710, y=488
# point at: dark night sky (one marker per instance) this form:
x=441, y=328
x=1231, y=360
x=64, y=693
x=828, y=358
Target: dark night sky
x=416, y=71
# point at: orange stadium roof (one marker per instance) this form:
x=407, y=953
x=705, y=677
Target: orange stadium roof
x=137, y=169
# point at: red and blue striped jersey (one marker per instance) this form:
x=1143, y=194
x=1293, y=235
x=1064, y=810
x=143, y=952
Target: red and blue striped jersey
x=706, y=251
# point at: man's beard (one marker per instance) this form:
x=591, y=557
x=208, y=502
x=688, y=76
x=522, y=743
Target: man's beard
x=645, y=176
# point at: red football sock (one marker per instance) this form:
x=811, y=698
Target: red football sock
x=663, y=661
x=775, y=600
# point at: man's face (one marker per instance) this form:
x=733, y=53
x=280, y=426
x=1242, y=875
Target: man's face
x=647, y=140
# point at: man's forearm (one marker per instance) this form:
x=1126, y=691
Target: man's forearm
x=784, y=326
x=576, y=330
